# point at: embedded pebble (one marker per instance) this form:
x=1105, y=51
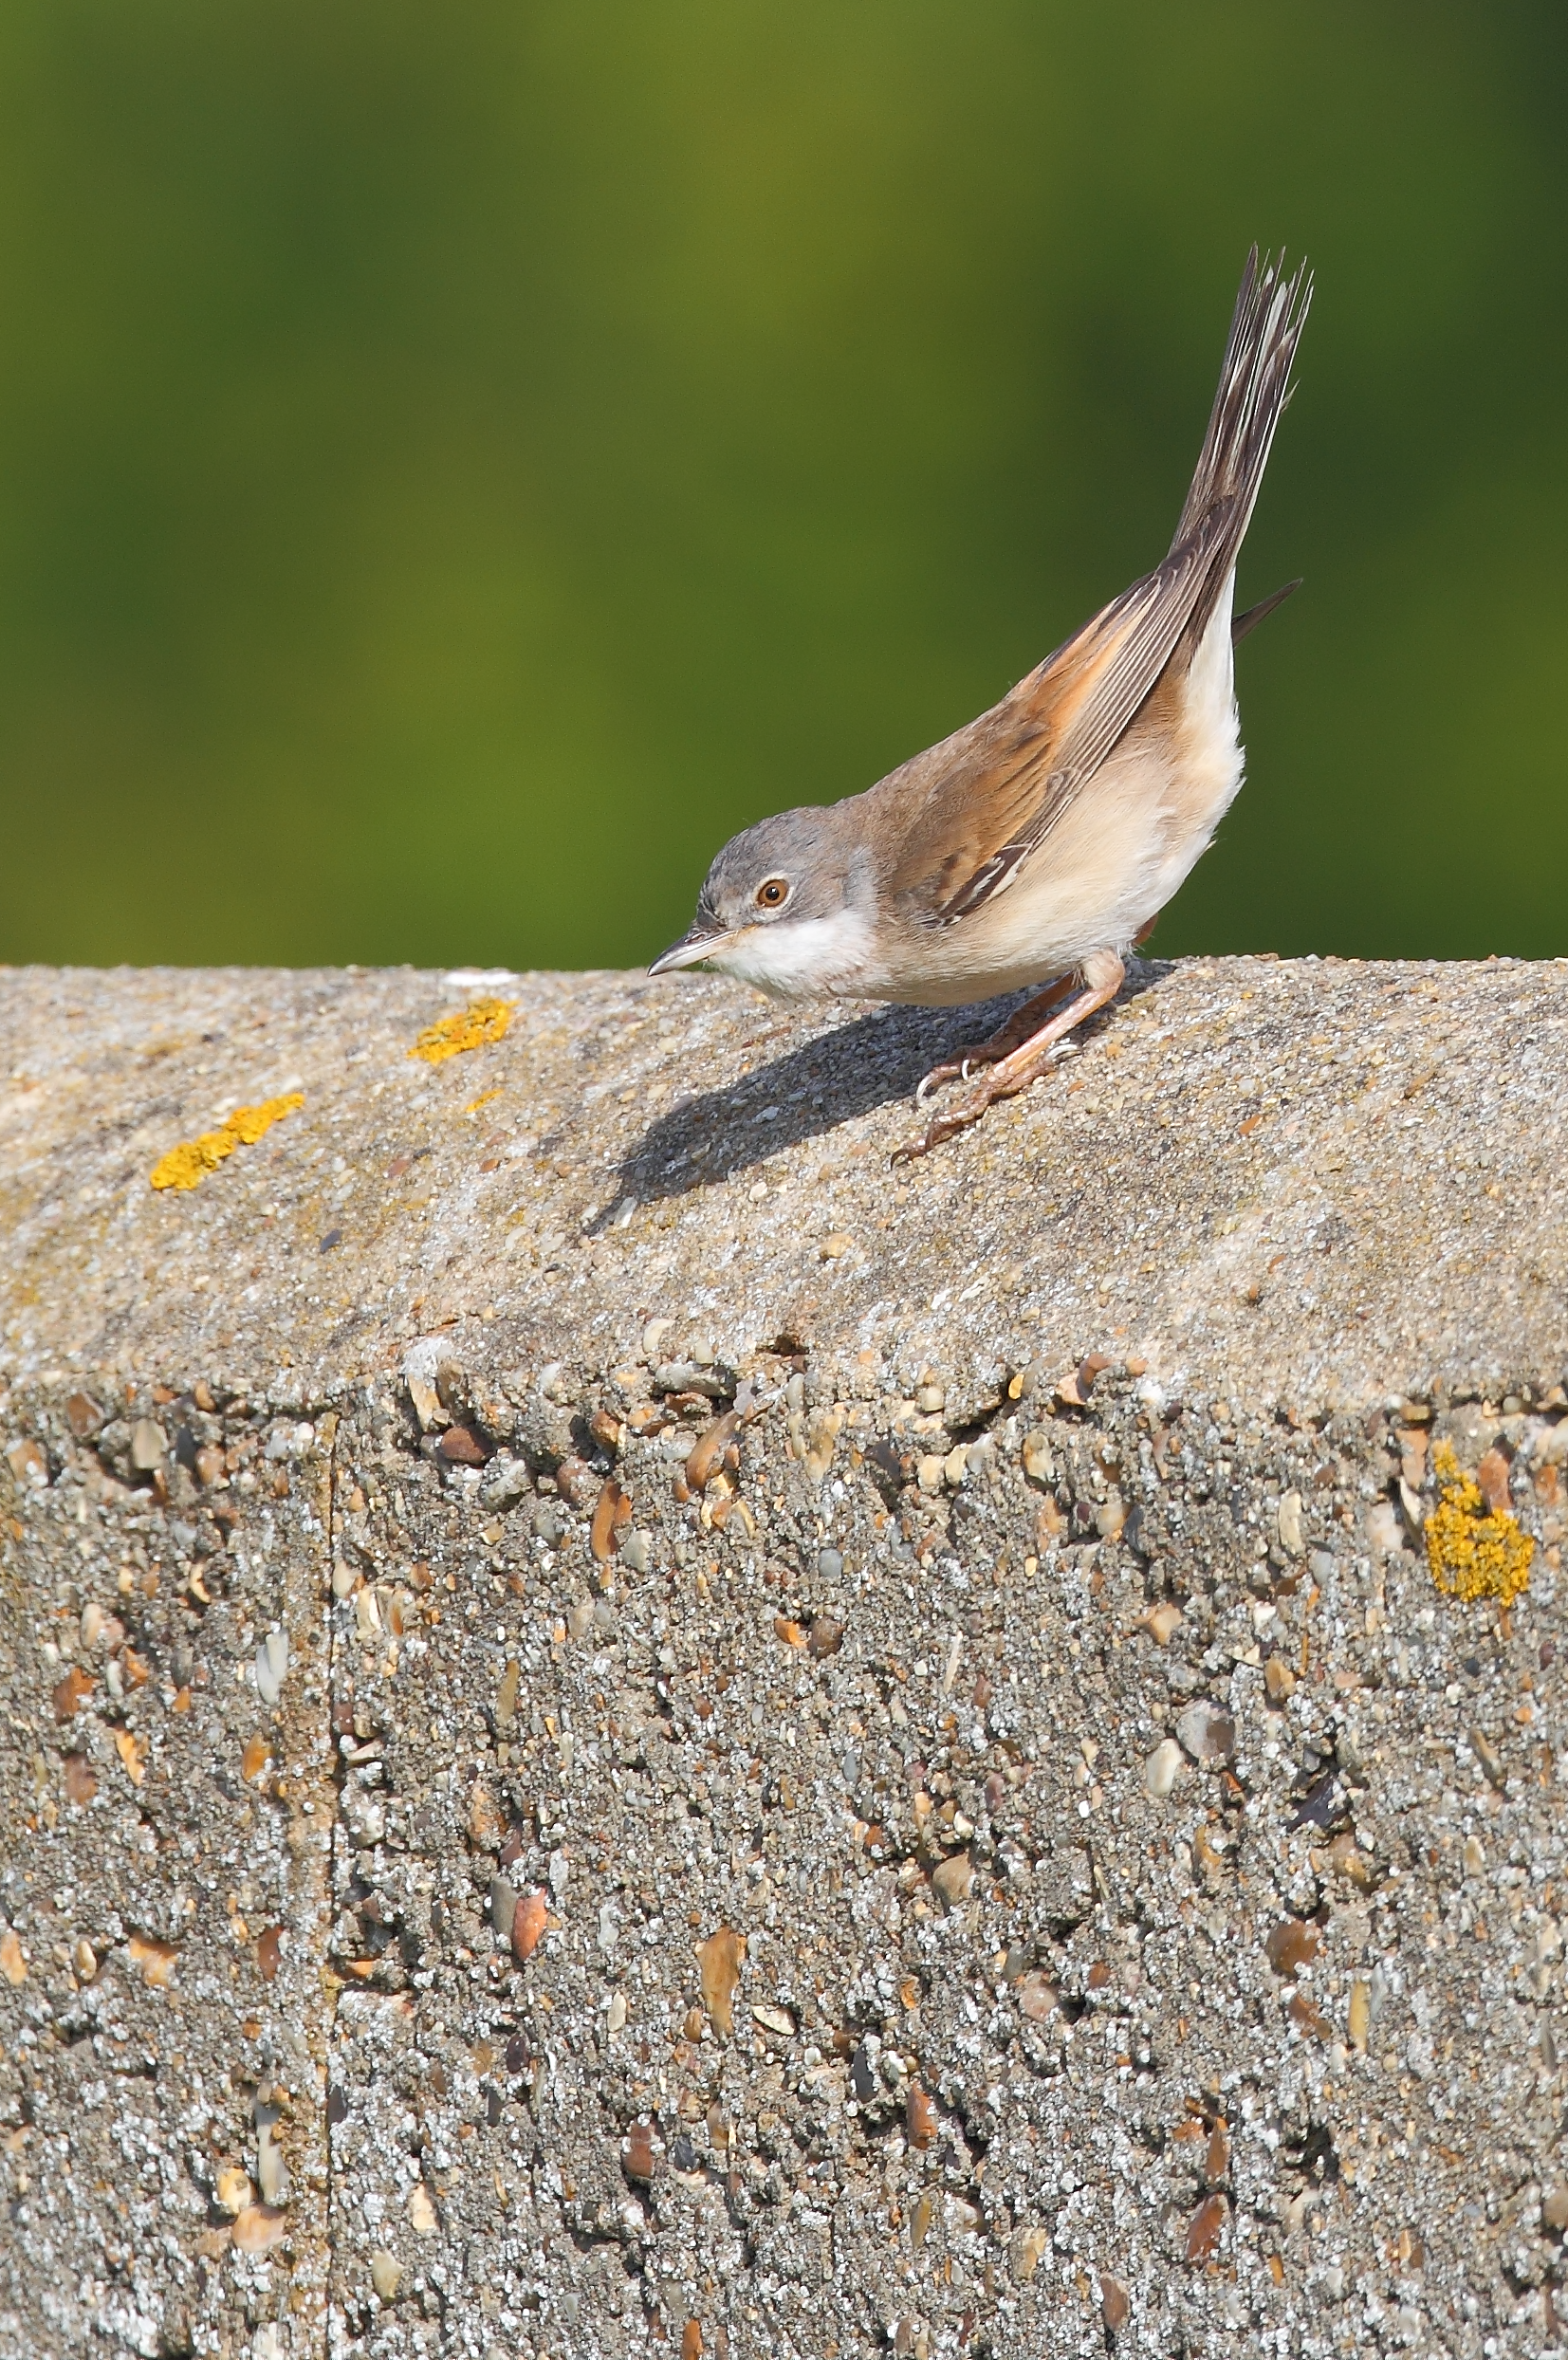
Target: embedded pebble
x=1038, y=1464
x=259, y=2227
x=1208, y=1734
x=233, y=2189
x=386, y=2275
x=1162, y=1769
x=953, y=1880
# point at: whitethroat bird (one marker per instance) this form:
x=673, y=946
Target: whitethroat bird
x=1039, y=843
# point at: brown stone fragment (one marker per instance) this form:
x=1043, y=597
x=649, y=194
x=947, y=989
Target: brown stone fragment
x=83, y=1415
x=1207, y=2227
x=527, y=1922
x=80, y=1779
x=719, y=1963
x=612, y=1514
x=461, y=1445
x=1075, y=1390
x=709, y=1450
x=29, y=1464
x=259, y=2227
x=255, y=1758
x=637, y=2157
x=1307, y=2018
x=1492, y=1475
x=691, y=2340
x=233, y=2189
x=572, y=1479
x=71, y=1693
x=1292, y=1945
x=1278, y=1680
x=14, y=1966
x=486, y=1827
x=827, y=1636
x=1116, y=2307
x=1216, y=2161
x=1347, y=1860
x=270, y=1952
x=954, y=1880
x=606, y=1431
x=919, y=2116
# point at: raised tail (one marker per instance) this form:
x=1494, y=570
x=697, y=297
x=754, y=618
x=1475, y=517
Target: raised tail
x=1253, y=390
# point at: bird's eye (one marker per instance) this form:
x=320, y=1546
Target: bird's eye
x=774, y=893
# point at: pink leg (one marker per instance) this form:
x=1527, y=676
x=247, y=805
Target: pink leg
x=1103, y=974
x=1020, y=1027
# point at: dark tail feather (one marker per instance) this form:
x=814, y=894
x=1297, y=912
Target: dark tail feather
x=1242, y=624
x=1254, y=387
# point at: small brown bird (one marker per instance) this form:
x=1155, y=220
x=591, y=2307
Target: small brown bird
x=1039, y=843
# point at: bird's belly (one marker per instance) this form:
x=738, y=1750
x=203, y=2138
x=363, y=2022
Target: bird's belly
x=1090, y=887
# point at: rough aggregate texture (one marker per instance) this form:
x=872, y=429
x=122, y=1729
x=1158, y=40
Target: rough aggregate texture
x=622, y=1729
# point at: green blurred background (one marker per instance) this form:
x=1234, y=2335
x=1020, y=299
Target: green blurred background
x=457, y=465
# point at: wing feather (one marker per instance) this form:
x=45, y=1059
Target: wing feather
x=985, y=800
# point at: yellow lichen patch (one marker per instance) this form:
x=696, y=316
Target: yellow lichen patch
x=473, y=1027
x=187, y=1165
x=1474, y=1554
x=483, y=1099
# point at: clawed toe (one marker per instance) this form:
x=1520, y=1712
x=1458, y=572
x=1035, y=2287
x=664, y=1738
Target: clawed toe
x=1014, y=1063
x=961, y=1069
x=938, y=1075
x=947, y=1126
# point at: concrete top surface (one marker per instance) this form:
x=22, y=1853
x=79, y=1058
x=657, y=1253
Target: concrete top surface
x=1315, y=1179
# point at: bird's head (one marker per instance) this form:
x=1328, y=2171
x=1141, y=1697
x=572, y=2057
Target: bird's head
x=787, y=905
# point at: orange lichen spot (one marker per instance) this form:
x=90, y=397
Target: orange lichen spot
x=473, y=1027
x=1473, y=1552
x=187, y=1165
x=483, y=1099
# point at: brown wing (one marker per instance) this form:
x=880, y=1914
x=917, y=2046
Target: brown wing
x=997, y=789
x=985, y=800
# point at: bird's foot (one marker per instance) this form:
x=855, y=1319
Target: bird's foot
x=1020, y=1027
x=999, y=1083
x=1014, y=1070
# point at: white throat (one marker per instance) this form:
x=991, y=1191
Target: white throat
x=801, y=958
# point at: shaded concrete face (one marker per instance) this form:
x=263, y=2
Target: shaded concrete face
x=603, y=1741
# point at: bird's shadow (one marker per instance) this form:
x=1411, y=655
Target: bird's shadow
x=845, y=1072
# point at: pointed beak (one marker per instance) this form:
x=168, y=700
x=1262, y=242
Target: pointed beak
x=698, y=943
